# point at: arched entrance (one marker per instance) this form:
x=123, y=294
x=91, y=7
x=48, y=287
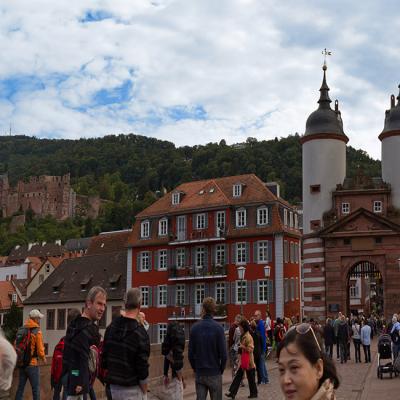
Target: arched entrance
x=364, y=289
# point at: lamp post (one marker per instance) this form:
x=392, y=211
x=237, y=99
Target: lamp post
x=267, y=274
x=241, y=271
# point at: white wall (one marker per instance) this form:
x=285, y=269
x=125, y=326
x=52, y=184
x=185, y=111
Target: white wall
x=35, y=282
x=391, y=166
x=324, y=163
x=21, y=270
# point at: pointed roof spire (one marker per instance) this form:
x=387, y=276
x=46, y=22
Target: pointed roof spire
x=324, y=100
x=398, y=97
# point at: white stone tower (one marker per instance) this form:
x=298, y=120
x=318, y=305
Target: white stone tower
x=390, y=138
x=324, y=159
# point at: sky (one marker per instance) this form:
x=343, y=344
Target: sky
x=195, y=71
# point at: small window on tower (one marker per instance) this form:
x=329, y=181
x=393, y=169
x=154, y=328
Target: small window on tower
x=315, y=188
x=377, y=206
x=345, y=208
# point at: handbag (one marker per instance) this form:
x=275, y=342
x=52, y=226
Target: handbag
x=245, y=360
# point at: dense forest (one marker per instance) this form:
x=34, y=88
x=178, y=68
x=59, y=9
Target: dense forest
x=132, y=170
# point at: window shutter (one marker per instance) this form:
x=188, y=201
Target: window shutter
x=211, y=289
x=270, y=291
x=248, y=292
x=206, y=290
x=206, y=263
x=206, y=220
x=171, y=291
x=213, y=253
x=192, y=293
x=233, y=292
x=194, y=221
x=170, y=258
x=150, y=296
x=138, y=262
x=255, y=252
x=269, y=250
x=187, y=257
x=255, y=292
x=156, y=259
x=247, y=252
x=150, y=260
x=233, y=253
x=226, y=253
x=193, y=257
x=227, y=293
x=187, y=293
x=156, y=292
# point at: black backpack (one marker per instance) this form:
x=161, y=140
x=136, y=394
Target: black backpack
x=23, y=346
x=395, y=335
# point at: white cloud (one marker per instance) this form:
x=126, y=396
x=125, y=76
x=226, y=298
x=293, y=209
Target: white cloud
x=252, y=65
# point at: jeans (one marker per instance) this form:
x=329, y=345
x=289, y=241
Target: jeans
x=30, y=373
x=329, y=350
x=343, y=352
x=127, y=393
x=396, y=350
x=233, y=359
x=367, y=353
x=205, y=384
x=263, y=369
x=62, y=384
x=251, y=378
x=357, y=349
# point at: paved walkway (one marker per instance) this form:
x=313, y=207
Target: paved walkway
x=358, y=382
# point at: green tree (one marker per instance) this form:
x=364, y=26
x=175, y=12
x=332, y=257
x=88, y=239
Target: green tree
x=12, y=321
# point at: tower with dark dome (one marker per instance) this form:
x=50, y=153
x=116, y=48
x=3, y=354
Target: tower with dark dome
x=324, y=159
x=390, y=138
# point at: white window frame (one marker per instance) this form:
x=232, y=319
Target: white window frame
x=291, y=252
x=162, y=255
x=200, y=256
x=345, y=208
x=291, y=219
x=242, y=284
x=262, y=291
x=220, y=255
x=145, y=292
x=161, y=332
x=237, y=190
x=220, y=295
x=47, y=268
x=221, y=220
x=144, y=256
x=14, y=298
x=201, y=221
x=241, y=218
x=199, y=293
x=262, y=250
x=145, y=229
x=262, y=216
x=378, y=206
x=285, y=216
x=163, y=227
x=286, y=251
x=180, y=258
x=296, y=221
x=162, y=295
x=241, y=249
x=176, y=198
x=180, y=294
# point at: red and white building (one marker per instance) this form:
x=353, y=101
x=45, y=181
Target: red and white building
x=190, y=244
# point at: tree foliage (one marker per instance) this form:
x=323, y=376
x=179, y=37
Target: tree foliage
x=12, y=321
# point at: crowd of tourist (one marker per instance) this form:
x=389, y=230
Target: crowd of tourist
x=304, y=352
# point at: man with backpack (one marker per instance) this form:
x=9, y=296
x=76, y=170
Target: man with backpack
x=82, y=334
x=395, y=335
x=30, y=349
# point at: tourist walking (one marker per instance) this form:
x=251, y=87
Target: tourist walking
x=234, y=343
x=82, y=334
x=343, y=338
x=8, y=359
x=30, y=349
x=356, y=329
x=207, y=353
x=246, y=363
x=336, y=324
x=366, y=340
x=255, y=334
x=329, y=337
x=262, y=367
x=268, y=331
x=126, y=351
x=395, y=335
x=172, y=349
x=306, y=373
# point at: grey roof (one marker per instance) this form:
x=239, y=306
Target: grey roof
x=37, y=250
x=324, y=119
x=77, y=244
x=20, y=284
x=392, y=116
x=65, y=284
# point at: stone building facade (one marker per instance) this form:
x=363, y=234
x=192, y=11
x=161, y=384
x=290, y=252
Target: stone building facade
x=351, y=225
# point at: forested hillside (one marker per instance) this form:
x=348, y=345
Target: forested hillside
x=132, y=170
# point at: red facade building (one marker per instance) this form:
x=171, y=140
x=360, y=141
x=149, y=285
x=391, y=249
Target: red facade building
x=190, y=243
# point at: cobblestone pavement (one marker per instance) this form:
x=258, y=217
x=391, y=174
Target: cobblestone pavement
x=358, y=382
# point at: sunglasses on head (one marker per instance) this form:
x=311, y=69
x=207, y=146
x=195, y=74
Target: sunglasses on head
x=304, y=328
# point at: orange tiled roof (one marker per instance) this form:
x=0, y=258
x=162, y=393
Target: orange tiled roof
x=6, y=288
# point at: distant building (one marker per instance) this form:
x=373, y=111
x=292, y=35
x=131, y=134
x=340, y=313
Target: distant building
x=193, y=242
x=8, y=296
x=351, y=225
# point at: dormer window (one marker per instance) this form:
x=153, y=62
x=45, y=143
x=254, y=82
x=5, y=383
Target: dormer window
x=145, y=229
x=57, y=285
x=285, y=217
x=237, y=190
x=345, y=208
x=85, y=283
x=377, y=207
x=163, y=227
x=14, y=297
x=113, y=280
x=262, y=216
x=176, y=198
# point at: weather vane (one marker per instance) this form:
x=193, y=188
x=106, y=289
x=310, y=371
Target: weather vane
x=326, y=52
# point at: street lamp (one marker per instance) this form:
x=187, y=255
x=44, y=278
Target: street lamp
x=267, y=274
x=241, y=271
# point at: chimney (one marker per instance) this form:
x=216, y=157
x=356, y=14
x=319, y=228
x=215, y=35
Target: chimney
x=30, y=246
x=43, y=244
x=274, y=187
x=58, y=242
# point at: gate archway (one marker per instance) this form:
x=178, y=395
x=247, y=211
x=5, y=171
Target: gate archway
x=364, y=289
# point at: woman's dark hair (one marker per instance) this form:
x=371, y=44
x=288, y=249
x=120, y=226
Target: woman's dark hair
x=308, y=347
x=245, y=325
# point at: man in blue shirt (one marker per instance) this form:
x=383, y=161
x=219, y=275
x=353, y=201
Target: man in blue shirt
x=207, y=353
x=395, y=335
x=366, y=340
x=263, y=373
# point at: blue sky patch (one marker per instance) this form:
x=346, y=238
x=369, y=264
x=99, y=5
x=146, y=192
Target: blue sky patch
x=95, y=16
x=119, y=94
x=178, y=113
